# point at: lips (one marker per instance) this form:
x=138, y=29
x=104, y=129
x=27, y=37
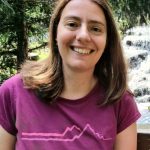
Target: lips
x=82, y=51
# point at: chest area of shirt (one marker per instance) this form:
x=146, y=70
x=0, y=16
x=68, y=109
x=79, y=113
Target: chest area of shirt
x=67, y=127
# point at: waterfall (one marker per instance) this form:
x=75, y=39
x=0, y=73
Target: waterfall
x=136, y=46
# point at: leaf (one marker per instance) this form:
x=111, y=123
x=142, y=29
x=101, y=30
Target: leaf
x=8, y=5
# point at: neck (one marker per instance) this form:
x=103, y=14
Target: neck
x=78, y=85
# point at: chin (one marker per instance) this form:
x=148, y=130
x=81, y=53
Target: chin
x=81, y=68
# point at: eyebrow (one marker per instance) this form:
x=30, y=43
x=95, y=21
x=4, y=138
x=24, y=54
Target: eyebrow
x=78, y=19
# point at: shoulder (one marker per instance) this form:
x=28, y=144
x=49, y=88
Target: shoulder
x=8, y=92
x=126, y=103
x=12, y=85
x=126, y=111
x=126, y=99
x=12, y=81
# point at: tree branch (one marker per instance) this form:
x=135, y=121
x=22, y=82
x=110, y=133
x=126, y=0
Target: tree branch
x=41, y=46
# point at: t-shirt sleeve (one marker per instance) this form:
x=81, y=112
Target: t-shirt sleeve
x=126, y=112
x=7, y=109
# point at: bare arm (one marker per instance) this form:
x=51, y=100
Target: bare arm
x=127, y=139
x=7, y=141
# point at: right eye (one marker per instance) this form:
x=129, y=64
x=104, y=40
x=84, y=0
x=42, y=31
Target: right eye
x=72, y=24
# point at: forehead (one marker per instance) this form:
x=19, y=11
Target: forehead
x=83, y=8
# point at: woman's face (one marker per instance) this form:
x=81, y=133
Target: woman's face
x=81, y=35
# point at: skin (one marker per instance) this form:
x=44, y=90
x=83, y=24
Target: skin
x=127, y=139
x=81, y=29
x=7, y=141
x=85, y=30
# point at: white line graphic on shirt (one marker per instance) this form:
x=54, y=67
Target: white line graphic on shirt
x=61, y=137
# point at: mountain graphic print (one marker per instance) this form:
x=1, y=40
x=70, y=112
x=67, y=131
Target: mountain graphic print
x=69, y=135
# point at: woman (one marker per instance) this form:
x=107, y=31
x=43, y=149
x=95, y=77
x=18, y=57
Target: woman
x=77, y=98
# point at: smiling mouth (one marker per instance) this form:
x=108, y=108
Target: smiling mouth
x=82, y=50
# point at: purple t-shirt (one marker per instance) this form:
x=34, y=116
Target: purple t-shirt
x=66, y=125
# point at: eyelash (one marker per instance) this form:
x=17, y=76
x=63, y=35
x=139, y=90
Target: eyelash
x=72, y=25
x=96, y=29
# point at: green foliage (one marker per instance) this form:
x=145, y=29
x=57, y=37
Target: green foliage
x=23, y=27
x=7, y=67
x=130, y=13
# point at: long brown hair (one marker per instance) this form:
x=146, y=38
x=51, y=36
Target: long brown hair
x=46, y=77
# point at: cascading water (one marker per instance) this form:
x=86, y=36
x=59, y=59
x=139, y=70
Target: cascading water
x=136, y=44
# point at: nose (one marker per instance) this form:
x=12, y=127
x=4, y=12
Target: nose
x=83, y=34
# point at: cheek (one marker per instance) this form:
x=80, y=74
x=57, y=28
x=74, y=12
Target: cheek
x=64, y=40
x=62, y=43
x=101, y=44
x=64, y=36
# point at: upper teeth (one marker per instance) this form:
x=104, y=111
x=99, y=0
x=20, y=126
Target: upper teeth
x=82, y=51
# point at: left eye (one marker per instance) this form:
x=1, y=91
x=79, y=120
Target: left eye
x=96, y=29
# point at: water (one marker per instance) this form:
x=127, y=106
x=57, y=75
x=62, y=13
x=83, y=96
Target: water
x=136, y=45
